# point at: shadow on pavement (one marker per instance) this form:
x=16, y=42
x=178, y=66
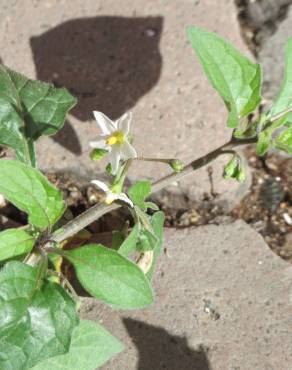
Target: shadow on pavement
x=108, y=63
x=160, y=350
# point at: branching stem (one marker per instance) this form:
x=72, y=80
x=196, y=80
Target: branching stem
x=98, y=210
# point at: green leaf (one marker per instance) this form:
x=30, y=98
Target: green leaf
x=106, y=275
x=147, y=239
x=249, y=132
x=143, y=237
x=31, y=192
x=284, y=141
x=91, y=346
x=152, y=206
x=138, y=192
x=15, y=242
x=129, y=244
x=284, y=99
x=29, y=109
x=264, y=141
x=11, y=127
x=117, y=240
x=157, y=222
x=234, y=76
x=36, y=321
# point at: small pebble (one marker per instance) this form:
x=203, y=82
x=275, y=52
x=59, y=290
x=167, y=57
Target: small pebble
x=150, y=32
x=287, y=218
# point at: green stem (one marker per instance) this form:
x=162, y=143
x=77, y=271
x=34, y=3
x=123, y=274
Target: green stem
x=26, y=153
x=97, y=211
x=118, y=183
x=147, y=159
x=61, y=276
x=280, y=115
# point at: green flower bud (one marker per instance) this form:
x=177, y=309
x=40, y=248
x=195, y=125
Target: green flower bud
x=97, y=154
x=240, y=175
x=177, y=165
x=109, y=169
x=231, y=168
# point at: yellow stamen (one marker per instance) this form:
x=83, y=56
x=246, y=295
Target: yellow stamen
x=116, y=138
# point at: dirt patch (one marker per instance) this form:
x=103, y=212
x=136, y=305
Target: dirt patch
x=259, y=19
x=267, y=207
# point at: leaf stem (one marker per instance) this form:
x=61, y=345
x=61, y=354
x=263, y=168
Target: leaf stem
x=98, y=210
x=280, y=115
x=61, y=276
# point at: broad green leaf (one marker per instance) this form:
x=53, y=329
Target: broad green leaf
x=36, y=321
x=15, y=242
x=157, y=222
x=234, y=76
x=91, y=346
x=284, y=140
x=11, y=127
x=284, y=99
x=31, y=192
x=29, y=109
x=108, y=276
x=138, y=192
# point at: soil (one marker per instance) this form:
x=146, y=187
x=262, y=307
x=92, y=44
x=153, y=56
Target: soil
x=260, y=19
x=267, y=207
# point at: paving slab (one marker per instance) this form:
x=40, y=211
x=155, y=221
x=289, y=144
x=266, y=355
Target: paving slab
x=223, y=302
x=118, y=56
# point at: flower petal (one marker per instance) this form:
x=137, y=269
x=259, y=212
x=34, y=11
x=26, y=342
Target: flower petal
x=106, y=124
x=115, y=157
x=100, y=185
x=123, y=123
x=124, y=198
x=128, y=151
x=99, y=144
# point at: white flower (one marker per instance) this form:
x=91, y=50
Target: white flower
x=114, y=138
x=110, y=196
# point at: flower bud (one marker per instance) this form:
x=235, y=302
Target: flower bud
x=97, y=154
x=109, y=169
x=177, y=165
x=231, y=168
